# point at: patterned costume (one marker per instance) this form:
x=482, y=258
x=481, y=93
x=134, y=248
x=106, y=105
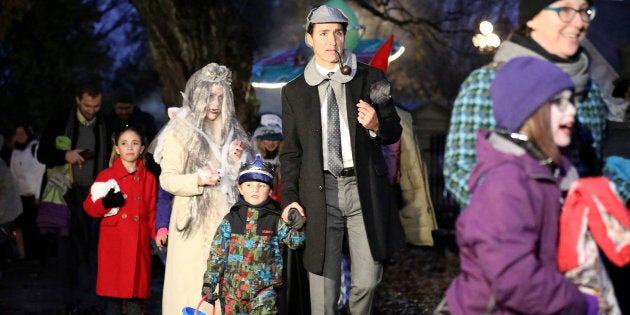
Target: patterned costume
x=246, y=257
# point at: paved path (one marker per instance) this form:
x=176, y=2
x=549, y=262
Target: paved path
x=26, y=289
x=413, y=283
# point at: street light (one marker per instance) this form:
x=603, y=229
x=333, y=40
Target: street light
x=486, y=40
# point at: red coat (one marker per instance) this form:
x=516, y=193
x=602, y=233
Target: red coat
x=124, y=246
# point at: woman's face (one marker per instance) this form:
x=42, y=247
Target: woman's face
x=20, y=135
x=562, y=117
x=215, y=102
x=271, y=145
x=555, y=36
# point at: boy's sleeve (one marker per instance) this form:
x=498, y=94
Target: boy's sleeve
x=292, y=238
x=217, y=259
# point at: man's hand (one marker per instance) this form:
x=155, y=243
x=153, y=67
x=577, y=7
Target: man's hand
x=74, y=156
x=366, y=116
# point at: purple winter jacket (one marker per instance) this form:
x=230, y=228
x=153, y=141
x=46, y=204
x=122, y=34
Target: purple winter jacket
x=508, y=236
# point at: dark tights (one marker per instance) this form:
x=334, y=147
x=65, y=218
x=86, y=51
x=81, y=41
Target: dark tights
x=115, y=306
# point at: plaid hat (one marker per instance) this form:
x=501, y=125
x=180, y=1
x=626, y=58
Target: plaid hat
x=257, y=171
x=325, y=14
x=523, y=85
x=270, y=127
x=527, y=9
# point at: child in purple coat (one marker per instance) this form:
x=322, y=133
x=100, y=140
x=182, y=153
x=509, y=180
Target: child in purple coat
x=508, y=234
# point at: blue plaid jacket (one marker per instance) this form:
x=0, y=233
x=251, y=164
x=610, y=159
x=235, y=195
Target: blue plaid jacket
x=472, y=111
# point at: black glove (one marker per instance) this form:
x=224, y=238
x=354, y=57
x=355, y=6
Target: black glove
x=113, y=199
x=209, y=293
x=296, y=220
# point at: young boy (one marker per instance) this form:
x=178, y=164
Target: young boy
x=246, y=254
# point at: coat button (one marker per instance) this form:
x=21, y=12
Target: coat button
x=320, y=188
x=136, y=178
x=124, y=215
x=136, y=198
x=136, y=218
x=125, y=196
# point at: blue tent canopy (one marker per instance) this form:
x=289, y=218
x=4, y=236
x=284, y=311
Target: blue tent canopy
x=283, y=66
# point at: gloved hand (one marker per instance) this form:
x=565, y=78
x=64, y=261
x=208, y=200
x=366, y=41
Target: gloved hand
x=113, y=199
x=296, y=220
x=208, y=291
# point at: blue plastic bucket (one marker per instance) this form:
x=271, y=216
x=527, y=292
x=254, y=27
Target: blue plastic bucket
x=191, y=311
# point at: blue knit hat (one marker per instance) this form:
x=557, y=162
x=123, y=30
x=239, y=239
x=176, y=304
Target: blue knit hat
x=257, y=171
x=270, y=127
x=523, y=85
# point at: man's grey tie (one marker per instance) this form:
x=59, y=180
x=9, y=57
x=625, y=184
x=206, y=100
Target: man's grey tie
x=335, y=162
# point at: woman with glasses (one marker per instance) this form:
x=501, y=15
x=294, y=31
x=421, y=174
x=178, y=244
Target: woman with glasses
x=508, y=234
x=549, y=30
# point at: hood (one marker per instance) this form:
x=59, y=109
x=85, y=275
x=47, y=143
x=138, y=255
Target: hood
x=494, y=150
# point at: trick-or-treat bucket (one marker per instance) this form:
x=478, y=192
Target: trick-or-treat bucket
x=196, y=311
x=192, y=311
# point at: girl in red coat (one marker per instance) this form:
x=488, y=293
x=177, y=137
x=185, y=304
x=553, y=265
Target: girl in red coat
x=124, y=196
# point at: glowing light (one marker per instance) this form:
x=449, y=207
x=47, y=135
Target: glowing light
x=486, y=27
x=486, y=40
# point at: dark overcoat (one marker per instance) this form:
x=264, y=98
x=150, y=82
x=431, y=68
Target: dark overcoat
x=303, y=166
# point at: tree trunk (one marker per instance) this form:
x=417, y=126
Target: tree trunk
x=187, y=35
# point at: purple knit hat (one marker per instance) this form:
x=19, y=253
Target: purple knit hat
x=521, y=86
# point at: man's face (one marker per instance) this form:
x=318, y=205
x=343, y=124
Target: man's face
x=89, y=105
x=327, y=39
x=123, y=110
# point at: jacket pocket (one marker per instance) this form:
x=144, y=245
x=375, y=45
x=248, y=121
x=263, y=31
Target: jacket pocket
x=110, y=221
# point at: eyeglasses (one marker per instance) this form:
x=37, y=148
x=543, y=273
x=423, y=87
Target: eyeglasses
x=562, y=103
x=566, y=14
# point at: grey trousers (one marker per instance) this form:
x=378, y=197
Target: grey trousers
x=344, y=213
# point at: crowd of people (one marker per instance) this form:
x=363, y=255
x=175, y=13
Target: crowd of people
x=262, y=222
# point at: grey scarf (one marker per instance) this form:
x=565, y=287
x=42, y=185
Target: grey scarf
x=577, y=70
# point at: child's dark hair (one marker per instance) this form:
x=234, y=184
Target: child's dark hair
x=116, y=136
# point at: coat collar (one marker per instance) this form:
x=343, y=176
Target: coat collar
x=120, y=171
x=314, y=77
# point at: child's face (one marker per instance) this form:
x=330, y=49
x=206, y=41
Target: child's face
x=562, y=116
x=129, y=146
x=254, y=193
x=271, y=145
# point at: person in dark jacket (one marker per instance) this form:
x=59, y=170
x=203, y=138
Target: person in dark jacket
x=125, y=112
x=78, y=137
x=508, y=234
x=335, y=117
